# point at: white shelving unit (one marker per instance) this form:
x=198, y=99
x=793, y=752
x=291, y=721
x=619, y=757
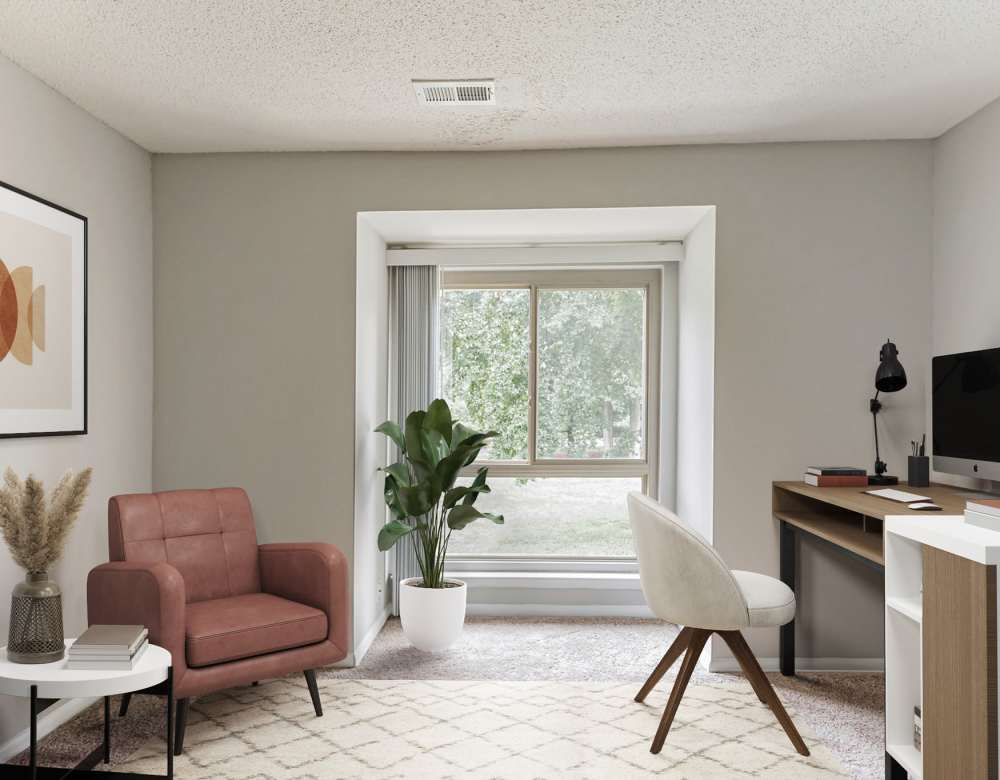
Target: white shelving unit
x=905, y=537
x=903, y=648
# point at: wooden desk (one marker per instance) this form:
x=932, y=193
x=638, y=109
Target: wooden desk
x=848, y=519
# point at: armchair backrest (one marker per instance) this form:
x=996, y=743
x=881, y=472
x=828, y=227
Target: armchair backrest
x=207, y=535
x=683, y=578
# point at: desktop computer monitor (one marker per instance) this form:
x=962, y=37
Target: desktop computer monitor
x=965, y=394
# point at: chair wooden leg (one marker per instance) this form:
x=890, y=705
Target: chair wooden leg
x=760, y=683
x=123, y=707
x=698, y=638
x=679, y=645
x=314, y=691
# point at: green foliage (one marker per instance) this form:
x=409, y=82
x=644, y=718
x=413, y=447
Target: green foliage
x=590, y=368
x=484, y=360
x=420, y=488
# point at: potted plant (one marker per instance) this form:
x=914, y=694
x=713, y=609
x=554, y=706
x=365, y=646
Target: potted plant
x=426, y=507
x=35, y=531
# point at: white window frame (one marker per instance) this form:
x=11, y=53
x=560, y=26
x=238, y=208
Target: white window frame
x=645, y=467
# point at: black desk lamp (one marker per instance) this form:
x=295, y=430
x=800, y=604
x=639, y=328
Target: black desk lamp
x=890, y=377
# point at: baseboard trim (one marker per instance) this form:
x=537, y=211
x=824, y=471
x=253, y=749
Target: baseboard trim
x=52, y=718
x=806, y=664
x=559, y=610
x=361, y=648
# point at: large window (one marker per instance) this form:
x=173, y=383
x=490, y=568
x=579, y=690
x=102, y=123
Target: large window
x=564, y=366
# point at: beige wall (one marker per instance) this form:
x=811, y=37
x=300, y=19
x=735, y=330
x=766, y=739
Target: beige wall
x=51, y=148
x=966, y=253
x=966, y=245
x=823, y=252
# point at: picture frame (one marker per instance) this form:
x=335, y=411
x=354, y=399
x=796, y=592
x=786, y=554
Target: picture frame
x=43, y=317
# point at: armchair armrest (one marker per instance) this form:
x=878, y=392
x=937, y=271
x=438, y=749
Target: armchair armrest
x=149, y=594
x=313, y=574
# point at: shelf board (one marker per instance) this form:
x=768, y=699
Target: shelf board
x=843, y=531
x=911, y=759
x=908, y=606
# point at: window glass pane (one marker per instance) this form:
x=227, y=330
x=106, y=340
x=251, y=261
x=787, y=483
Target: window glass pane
x=485, y=353
x=591, y=388
x=551, y=516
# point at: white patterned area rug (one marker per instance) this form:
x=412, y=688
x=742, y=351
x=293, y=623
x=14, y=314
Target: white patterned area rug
x=489, y=730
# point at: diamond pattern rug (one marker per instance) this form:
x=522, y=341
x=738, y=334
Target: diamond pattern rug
x=489, y=730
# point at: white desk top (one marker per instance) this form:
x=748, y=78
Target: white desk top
x=949, y=533
x=55, y=681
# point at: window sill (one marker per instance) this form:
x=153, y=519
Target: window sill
x=549, y=580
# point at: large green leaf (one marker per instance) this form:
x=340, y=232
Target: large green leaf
x=392, y=498
x=474, y=451
x=446, y=472
x=459, y=433
x=399, y=472
x=418, y=499
x=439, y=419
x=414, y=427
x=434, y=447
x=456, y=494
x=480, y=483
x=391, y=533
x=392, y=430
x=462, y=515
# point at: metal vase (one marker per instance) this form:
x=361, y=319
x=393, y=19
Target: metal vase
x=36, y=628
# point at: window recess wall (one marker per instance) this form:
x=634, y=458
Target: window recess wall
x=675, y=241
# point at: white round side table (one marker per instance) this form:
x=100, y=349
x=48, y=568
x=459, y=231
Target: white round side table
x=153, y=673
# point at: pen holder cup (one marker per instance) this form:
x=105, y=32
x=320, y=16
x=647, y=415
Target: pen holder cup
x=919, y=471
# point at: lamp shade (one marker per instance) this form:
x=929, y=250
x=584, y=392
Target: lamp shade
x=890, y=376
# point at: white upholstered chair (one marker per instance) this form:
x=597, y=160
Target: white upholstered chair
x=686, y=582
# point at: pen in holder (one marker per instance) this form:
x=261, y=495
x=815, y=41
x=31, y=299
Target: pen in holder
x=919, y=471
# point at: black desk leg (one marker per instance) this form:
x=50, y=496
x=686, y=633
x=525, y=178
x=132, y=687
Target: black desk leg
x=107, y=729
x=33, y=751
x=893, y=769
x=170, y=723
x=786, y=634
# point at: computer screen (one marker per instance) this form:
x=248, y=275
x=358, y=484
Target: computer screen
x=966, y=409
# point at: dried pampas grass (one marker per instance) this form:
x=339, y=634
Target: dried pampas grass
x=35, y=532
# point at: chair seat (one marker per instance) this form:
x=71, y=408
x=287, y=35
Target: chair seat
x=770, y=602
x=221, y=630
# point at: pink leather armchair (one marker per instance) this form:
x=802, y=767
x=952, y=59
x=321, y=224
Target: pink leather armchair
x=187, y=565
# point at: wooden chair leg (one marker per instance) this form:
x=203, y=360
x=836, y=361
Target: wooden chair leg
x=123, y=707
x=314, y=691
x=760, y=683
x=698, y=638
x=679, y=645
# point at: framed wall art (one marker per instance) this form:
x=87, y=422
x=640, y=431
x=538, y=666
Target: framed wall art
x=43, y=317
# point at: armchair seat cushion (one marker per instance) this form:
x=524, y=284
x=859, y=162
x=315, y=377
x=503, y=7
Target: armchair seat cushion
x=226, y=629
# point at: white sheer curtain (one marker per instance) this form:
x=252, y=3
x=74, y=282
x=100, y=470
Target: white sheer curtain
x=413, y=368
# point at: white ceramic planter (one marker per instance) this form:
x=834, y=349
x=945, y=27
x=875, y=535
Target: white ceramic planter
x=432, y=618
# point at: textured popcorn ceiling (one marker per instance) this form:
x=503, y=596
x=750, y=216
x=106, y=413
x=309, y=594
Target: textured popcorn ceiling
x=189, y=75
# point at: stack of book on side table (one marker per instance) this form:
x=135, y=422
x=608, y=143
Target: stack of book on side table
x=835, y=476
x=984, y=512
x=108, y=648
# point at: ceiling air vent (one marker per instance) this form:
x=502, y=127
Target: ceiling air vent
x=469, y=92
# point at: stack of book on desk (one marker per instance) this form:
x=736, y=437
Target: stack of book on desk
x=984, y=512
x=836, y=476
x=111, y=648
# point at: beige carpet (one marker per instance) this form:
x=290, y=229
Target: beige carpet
x=490, y=729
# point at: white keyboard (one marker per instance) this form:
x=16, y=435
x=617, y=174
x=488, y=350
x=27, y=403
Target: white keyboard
x=897, y=495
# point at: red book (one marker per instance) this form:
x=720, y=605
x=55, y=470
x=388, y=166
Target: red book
x=835, y=481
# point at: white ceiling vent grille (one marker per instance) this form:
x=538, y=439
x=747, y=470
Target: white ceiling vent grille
x=472, y=92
